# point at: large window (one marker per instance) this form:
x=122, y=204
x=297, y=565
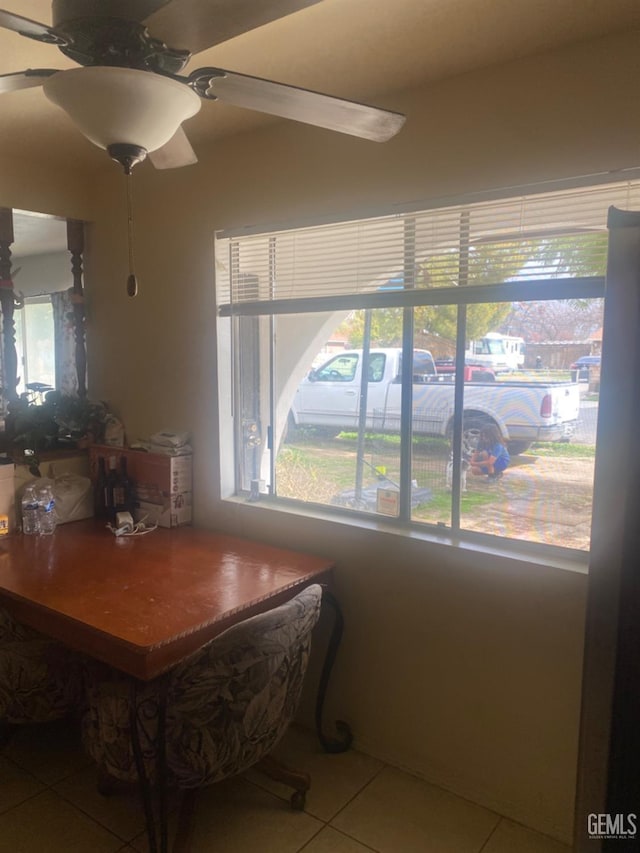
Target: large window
x=426, y=368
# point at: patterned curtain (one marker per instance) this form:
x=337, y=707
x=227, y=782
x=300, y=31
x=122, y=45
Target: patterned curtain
x=64, y=340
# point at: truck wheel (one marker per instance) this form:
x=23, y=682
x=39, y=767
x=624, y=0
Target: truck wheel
x=517, y=447
x=471, y=432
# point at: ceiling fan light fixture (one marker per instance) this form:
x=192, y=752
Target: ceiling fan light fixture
x=112, y=105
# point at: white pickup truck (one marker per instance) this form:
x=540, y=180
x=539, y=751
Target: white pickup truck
x=524, y=411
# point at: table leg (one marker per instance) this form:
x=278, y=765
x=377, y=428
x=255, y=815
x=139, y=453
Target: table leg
x=143, y=779
x=345, y=736
x=146, y=790
x=162, y=764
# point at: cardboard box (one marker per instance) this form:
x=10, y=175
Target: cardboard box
x=7, y=496
x=162, y=484
x=71, y=505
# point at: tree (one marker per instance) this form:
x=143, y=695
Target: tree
x=567, y=319
x=559, y=320
x=493, y=263
x=441, y=320
x=487, y=264
x=386, y=328
x=574, y=255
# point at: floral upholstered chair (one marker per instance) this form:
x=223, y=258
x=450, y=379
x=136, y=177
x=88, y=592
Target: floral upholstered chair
x=227, y=706
x=40, y=679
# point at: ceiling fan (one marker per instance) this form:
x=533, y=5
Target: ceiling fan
x=129, y=96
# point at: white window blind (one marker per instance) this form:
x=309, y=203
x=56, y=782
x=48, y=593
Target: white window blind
x=559, y=234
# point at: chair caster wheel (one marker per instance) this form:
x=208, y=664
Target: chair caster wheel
x=298, y=799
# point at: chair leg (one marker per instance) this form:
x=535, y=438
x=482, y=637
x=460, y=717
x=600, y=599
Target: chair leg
x=296, y=779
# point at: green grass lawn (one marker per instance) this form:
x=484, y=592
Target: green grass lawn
x=562, y=449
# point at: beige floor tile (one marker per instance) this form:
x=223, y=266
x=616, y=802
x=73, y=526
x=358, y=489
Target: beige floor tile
x=47, y=824
x=329, y=840
x=16, y=785
x=120, y=812
x=398, y=812
x=235, y=816
x=511, y=838
x=335, y=779
x=50, y=751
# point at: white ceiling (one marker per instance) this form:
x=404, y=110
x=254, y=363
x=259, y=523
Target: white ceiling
x=37, y=234
x=359, y=49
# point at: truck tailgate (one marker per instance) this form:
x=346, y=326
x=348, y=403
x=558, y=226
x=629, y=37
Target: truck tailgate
x=565, y=402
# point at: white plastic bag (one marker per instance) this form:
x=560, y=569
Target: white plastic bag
x=73, y=495
x=113, y=432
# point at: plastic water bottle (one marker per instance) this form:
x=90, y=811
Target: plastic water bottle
x=46, y=510
x=30, y=512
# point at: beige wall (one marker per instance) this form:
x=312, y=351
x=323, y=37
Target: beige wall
x=461, y=667
x=45, y=188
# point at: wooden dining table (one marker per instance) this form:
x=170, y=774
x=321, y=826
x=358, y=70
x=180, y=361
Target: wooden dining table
x=144, y=603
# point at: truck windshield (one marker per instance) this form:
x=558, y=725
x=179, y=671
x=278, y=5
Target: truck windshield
x=487, y=346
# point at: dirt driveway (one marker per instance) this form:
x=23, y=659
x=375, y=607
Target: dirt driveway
x=540, y=500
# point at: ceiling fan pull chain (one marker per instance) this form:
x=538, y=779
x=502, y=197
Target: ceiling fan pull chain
x=128, y=156
x=132, y=281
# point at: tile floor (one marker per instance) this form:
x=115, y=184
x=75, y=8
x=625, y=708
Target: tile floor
x=357, y=804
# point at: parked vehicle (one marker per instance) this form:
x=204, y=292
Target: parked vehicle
x=523, y=411
x=472, y=372
x=500, y=352
x=583, y=364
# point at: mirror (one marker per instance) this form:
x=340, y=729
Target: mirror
x=41, y=304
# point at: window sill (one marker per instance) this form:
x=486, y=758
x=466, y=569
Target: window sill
x=546, y=556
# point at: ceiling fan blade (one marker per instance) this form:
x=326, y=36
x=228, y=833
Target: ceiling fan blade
x=24, y=79
x=175, y=153
x=29, y=28
x=302, y=105
x=64, y=11
x=199, y=24
x=139, y=10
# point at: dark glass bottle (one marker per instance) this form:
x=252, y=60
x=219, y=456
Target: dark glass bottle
x=125, y=489
x=112, y=490
x=100, y=491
